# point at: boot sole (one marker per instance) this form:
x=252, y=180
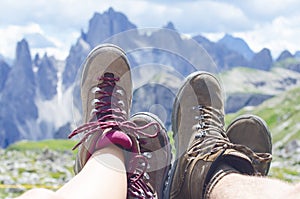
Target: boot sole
x=266, y=133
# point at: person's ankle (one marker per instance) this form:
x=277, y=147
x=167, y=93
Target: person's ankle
x=220, y=172
x=110, y=156
x=111, y=149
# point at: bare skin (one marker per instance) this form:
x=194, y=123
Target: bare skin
x=104, y=174
x=242, y=186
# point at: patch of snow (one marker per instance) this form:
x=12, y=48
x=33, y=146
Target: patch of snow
x=35, y=69
x=249, y=108
x=185, y=36
x=84, y=45
x=59, y=88
x=57, y=111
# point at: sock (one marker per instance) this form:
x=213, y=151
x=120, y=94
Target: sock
x=221, y=171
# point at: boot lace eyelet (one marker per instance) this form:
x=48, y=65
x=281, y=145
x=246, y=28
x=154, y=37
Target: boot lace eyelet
x=200, y=134
x=95, y=90
x=147, y=155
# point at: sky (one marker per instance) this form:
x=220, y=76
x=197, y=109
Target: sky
x=52, y=26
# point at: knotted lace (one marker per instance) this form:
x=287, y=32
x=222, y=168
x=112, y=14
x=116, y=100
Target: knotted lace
x=109, y=111
x=110, y=114
x=211, y=137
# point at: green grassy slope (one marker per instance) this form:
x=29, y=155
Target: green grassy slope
x=57, y=145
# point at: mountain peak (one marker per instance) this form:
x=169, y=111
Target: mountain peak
x=227, y=36
x=262, y=60
x=23, y=56
x=170, y=26
x=238, y=45
x=284, y=55
x=111, y=11
x=103, y=26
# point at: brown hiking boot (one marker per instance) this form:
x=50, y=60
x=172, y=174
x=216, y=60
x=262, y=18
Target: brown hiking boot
x=252, y=131
x=202, y=147
x=106, y=92
x=157, y=150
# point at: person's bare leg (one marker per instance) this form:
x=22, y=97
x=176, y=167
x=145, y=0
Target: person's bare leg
x=294, y=192
x=104, y=176
x=243, y=186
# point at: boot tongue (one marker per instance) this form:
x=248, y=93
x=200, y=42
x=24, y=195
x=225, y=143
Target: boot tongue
x=106, y=97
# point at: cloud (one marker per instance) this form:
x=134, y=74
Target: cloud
x=41, y=12
x=282, y=33
x=11, y=34
x=266, y=10
x=37, y=40
x=57, y=24
x=270, y=23
x=188, y=16
x=211, y=16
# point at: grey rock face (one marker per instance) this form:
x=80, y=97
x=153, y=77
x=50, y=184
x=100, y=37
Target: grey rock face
x=4, y=70
x=262, y=60
x=238, y=45
x=224, y=57
x=17, y=98
x=295, y=67
x=74, y=60
x=46, y=77
x=103, y=26
x=237, y=101
x=284, y=55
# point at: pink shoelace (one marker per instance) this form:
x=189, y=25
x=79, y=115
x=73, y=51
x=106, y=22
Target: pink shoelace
x=110, y=114
x=137, y=187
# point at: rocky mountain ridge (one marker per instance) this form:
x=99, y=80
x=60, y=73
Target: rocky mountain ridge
x=39, y=96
